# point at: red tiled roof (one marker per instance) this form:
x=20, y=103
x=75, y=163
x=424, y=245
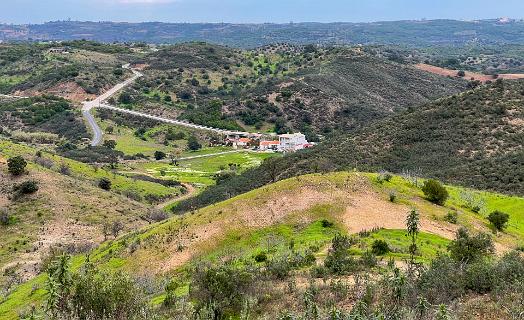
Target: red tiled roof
x=269, y=143
x=246, y=140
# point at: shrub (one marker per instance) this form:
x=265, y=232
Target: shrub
x=435, y=191
x=338, y=259
x=111, y=144
x=5, y=218
x=16, y=165
x=193, y=144
x=442, y=281
x=326, y=223
x=261, y=257
x=451, y=217
x=392, y=196
x=26, y=187
x=105, y=184
x=380, y=247
x=221, y=288
x=468, y=249
x=159, y=155
x=498, y=219
x=480, y=277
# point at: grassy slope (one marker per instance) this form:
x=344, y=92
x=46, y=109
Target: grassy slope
x=90, y=173
x=65, y=212
x=290, y=210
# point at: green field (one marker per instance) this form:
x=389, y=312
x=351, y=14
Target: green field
x=200, y=171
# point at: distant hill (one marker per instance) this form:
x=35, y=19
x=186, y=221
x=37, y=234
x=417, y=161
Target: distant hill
x=412, y=33
x=473, y=139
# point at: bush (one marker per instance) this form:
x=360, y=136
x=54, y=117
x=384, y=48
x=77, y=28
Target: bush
x=5, y=218
x=26, y=187
x=159, y=155
x=193, y=144
x=261, y=257
x=105, y=184
x=435, y=192
x=16, y=165
x=466, y=248
x=338, y=259
x=451, y=217
x=498, y=219
x=392, y=196
x=380, y=247
x=326, y=223
x=480, y=277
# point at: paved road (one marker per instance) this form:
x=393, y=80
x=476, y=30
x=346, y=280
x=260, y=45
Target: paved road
x=99, y=102
x=88, y=105
x=178, y=122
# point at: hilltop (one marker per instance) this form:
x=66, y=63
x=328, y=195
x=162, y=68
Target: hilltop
x=292, y=220
x=473, y=139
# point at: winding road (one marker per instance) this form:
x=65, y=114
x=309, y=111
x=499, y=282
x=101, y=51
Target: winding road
x=88, y=105
x=99, y=102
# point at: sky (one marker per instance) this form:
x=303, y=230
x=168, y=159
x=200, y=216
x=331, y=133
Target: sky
x=255, y=11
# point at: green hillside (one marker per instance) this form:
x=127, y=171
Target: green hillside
x=473, y=139
x=293, y=220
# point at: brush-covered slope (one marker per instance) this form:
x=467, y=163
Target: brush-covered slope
x=473, y=139
x=313, y=90
x=307, y=212
x=83, y=71
x=351, y=89
x=68, y=212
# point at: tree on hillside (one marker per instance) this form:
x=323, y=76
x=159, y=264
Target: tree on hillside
x=466, y=248
x=16, y=165
x=193, y=144
x=159, y=155
x=412, y=226
x=435, y=192
x=111, y=144
x=105, y=184
x=498, y=219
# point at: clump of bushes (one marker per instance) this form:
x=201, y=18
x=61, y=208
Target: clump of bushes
x=380, y=247
x=451, y=217
x=435, y=192
x=105, y=184
x=24, y=188
x=498, y=219
x=326, y=223
x=16, y=165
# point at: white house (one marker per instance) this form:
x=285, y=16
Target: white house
x=269, y=145
x=292, y=142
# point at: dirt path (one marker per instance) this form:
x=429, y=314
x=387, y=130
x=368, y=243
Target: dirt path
x=190, y=192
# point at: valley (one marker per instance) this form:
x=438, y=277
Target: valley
x=290, y=179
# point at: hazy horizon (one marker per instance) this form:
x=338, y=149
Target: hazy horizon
x=250, y=11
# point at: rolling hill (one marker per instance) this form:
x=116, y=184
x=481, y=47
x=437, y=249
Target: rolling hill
x=285, y=220
x=413, y=33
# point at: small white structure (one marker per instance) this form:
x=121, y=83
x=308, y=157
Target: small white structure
x=242, y=143
x=269, y=145
x=292, y=142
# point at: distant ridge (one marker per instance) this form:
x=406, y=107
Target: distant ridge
x=411, y=33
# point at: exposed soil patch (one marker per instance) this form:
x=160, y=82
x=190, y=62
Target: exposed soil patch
x=468, y=74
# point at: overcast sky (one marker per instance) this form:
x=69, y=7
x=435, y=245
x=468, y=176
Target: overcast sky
x=37, y=11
